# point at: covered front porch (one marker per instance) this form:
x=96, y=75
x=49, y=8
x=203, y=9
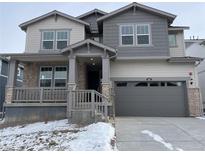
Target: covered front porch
x=78, y=78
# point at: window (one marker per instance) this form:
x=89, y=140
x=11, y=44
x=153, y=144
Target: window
x=135, y=34
x=172, y=40
x=122, y=84
x=154, y=84
x=60, y=76
x=62, y=39
x=20, y=73
x=46, y=76
x=48, y=40
x=142, y=34
x=141, y=84
x=127, y=35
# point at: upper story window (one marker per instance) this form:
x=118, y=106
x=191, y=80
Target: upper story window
x=48, y=40
x=135, y=34
x=143, y=34
x=55, y=39
x=62, y=39
x=127, y=35
x=172, y=40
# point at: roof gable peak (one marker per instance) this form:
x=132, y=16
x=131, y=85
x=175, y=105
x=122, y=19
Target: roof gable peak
x=24, y=25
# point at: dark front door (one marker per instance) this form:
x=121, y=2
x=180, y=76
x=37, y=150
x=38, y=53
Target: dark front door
x=93, y=79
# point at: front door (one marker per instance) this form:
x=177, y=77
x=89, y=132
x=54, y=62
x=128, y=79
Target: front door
x=93, y=78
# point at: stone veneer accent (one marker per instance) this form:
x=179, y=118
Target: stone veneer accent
x=106, y=90
x=195, y=102
x=31, y=75
x=82, y=77
x=9, y=95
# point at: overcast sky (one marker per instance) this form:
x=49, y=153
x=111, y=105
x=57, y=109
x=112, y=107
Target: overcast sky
x=12, y=38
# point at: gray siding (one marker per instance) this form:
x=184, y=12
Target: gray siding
x=159, y=32
x=91, y=19
x=3, y=81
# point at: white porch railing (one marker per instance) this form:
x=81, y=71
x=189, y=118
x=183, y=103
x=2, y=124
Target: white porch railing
x=41, y=95
x=87, y=100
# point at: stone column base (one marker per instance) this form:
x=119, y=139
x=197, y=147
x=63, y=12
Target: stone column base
x=195, y=102
x=9, y=95
x=72, y=86
x=106, y=90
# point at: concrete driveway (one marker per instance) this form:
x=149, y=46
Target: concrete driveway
x=160, y=134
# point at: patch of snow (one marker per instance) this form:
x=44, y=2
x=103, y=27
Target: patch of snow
x=97, y=137
x=57, y=135
x=36, y=127
x=202, y=118
x=160, y=140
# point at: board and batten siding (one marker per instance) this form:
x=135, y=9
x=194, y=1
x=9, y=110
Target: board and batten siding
x=179, y=50
x=33, y=33
x=159, y=34
x=152, y=68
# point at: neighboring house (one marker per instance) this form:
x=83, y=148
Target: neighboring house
x=3, y=78
x=131, y=59
x=196, y=47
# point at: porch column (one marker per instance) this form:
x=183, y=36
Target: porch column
x=106, y=85
x=11, y=82
x=72, y=73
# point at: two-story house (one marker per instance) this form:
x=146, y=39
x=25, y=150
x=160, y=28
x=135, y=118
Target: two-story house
x=131, y=59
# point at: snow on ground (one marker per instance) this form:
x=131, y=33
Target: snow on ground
x=57, y=135
x=202, y=118
x=160, y=140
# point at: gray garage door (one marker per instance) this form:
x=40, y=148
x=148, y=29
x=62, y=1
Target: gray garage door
x=150, y=99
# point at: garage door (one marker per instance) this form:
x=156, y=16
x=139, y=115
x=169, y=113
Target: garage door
x=150, y=99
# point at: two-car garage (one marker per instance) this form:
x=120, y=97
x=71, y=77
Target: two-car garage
x=150, y=98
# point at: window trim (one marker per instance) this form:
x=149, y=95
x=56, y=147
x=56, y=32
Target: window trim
x=66, y=79
x=46, y=79
x=132, y=25
x=149, y=34
x=56, y=37
x=175, y=36
x=135, y=35
x=42, y=34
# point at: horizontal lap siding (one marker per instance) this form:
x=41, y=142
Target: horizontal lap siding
x=159, y=34
x=33, y=36
x=151, y=68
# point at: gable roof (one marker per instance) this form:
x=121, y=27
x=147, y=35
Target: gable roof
x=170, y=16
x=91, y=12
x=24, y=25
x=89, y=41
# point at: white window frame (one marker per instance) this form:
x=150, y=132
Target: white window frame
x=42, y=39
x=175, y=36
x=56, y=38
x=149, y=34
x=60, y=78
x=46, y=78
x=121, y=35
